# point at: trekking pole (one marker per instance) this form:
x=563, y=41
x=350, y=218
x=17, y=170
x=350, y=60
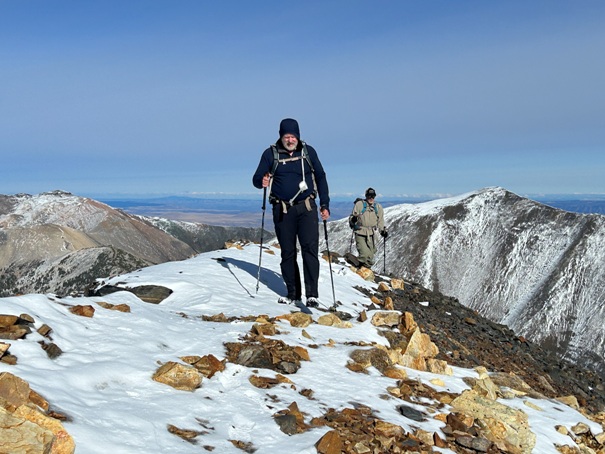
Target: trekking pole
x=384, y=261
x=262, y=230
x=351, y=242
x=330, y=262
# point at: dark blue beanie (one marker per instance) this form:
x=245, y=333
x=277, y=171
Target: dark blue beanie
x=289, y=126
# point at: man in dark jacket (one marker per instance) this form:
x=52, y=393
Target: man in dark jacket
x=293, y=185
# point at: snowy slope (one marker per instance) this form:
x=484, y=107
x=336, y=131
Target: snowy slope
x=103, y=378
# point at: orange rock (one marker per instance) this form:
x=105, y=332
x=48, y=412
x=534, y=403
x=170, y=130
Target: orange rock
x=209, y=365
x=330, y=443
x=397, y=284
x=83, y=311
x=408, y=323
x=376, y=301
x=387, y=429
x=302, y=352
x=383, y=287
x=8, y=320
x=396, y=373
x=264, y=329
x=388, y=303
x=263, y=382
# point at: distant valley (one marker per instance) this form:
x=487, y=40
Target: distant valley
x=247, y=212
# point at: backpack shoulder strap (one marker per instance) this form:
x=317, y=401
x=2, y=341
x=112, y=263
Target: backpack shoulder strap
x=275, y=159
x=305, y=155
x=377, y=206
x=365, y=205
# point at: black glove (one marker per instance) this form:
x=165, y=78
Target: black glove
x=353, y=222
x=384, y=233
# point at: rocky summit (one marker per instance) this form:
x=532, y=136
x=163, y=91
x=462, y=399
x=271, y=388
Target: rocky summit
x=181, y=358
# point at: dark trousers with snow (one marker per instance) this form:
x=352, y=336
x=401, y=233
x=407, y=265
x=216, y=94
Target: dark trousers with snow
x=299, y=223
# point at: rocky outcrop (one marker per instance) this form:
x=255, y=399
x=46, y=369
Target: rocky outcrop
x=25, y=423
x=466, y=339
x=154, y=294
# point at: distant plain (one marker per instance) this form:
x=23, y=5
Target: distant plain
x=246, y=212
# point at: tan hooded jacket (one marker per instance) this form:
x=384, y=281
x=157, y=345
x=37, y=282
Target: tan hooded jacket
x=372, y=219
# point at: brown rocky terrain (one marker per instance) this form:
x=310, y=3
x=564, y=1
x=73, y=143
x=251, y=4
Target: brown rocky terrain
x=468, y=340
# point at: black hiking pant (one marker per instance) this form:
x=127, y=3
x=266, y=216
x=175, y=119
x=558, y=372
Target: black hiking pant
x=299, y=223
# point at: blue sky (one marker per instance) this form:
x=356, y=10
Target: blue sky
x=410, y=97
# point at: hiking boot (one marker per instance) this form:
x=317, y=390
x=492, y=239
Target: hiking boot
x=312, y=302
x=352, y=260
x=287, y=300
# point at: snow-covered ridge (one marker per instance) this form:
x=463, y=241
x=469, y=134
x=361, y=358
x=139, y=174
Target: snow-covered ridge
x=55, y=207
x=103, y=378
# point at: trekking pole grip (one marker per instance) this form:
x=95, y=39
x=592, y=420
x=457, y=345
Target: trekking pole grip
x=264, y=198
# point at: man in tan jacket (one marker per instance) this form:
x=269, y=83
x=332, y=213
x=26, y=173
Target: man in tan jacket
x=367, y=220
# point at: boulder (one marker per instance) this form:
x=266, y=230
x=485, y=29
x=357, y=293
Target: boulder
x=24, y=425
x=17, y=435
x=83, y=310
x=179, y=376
x=508, y=428
x=386, y=318
x=62, y=443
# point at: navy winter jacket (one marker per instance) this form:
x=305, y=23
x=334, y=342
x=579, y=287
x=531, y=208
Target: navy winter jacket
x=289, y=175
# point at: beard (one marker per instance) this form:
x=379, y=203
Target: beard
x=290, y=145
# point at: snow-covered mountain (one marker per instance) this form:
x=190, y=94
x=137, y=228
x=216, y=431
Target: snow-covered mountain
x=58, y=242
x=537, y=269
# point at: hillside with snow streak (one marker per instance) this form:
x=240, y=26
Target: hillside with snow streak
x=59, y=242
x=535, y=268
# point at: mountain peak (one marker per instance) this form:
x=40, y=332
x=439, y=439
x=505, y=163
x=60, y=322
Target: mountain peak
x=534, y=268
